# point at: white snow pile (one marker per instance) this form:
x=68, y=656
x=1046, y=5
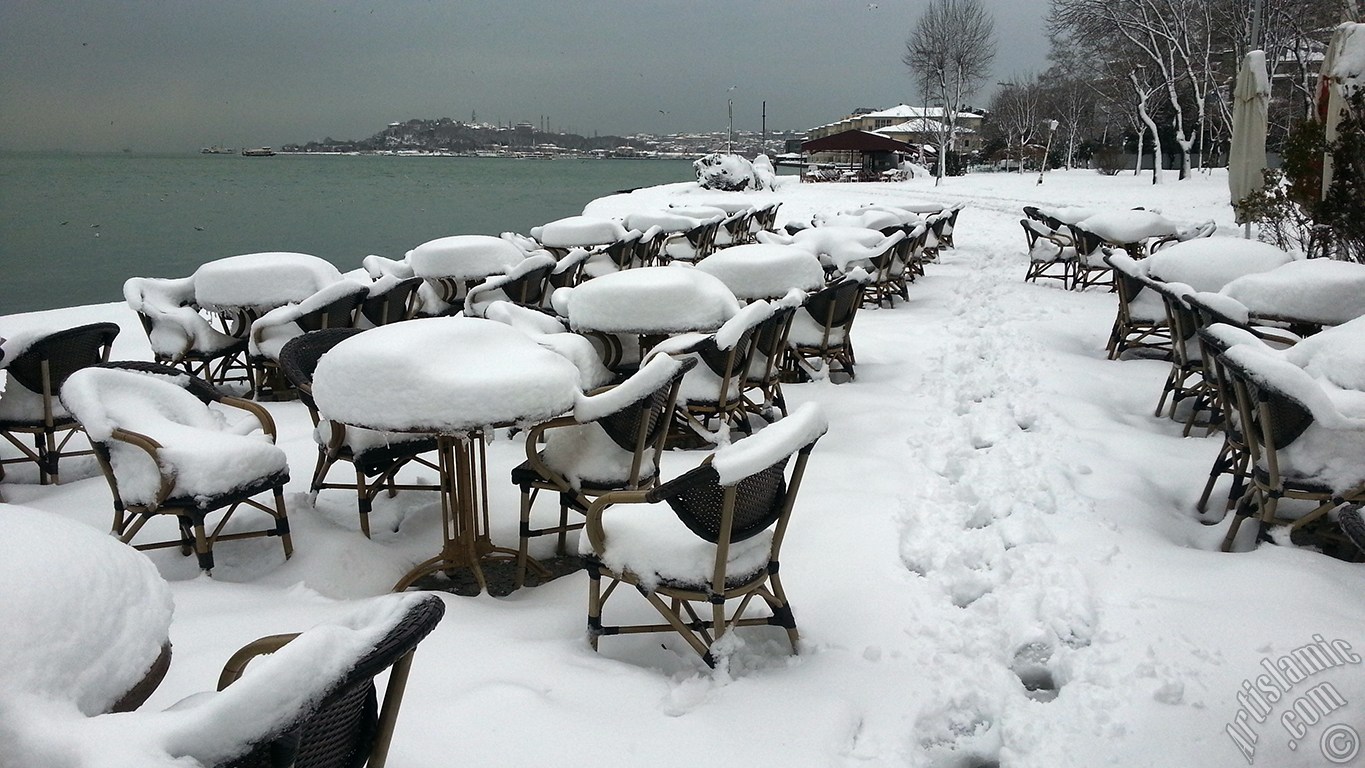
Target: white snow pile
x=83, y=618
x=464, y=257
x=740, y=459
x=647, y=300
x=1128, y=226
x=1209, y=263
x=446, y=374
x=762, y=270
x=728, y=173
x=1336, y=354
x=1348, y=68
x=1312, y=290
x=843, y=247
x=576, y=231
x=261, y=280
x=201, y=451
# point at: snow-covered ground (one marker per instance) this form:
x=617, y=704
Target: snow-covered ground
x=994, y=503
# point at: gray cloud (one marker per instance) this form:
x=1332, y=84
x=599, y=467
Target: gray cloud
x=177, y=74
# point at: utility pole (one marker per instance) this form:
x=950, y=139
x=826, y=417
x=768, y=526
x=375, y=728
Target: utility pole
x=764, y=139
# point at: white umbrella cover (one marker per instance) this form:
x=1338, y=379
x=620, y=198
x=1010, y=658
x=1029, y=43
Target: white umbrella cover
x=1246, y=160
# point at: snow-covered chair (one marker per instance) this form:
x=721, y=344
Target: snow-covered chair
x=165, y=451
x=1352, y=524
x=375, y=456
x=764, y=220
x=763, y=383
x=36, y=365
x=945, y=230
x=611, y=442
x=887, y=271
x=1233, y=458
x=523, y=285
x=333, y=719
x=720, y=547
x=1305, y=443
x=1050, y=253
x=335, y=306
x=180, y=334
x=734, y=229
x=1091, y=270
x=391, y=300
x=1186, y=381
x=1140, y=321
x=821, y=334
x=714, y=389
x=692, y=245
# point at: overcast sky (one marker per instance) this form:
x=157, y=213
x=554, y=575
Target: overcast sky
x=179, y=74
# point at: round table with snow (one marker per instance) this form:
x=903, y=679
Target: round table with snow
x=242, y=288
x=85, y=619
x=764, y=271
x=1129, y=230
x=648, y=303
x=579, y=232
x=1209, y=263
x=1306, y=294
x=453, y=265
x=456, y=377
x=669, y=221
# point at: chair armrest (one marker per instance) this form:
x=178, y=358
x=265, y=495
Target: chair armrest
x=255, y=409
x=597, y=536
x=236, y=664
x=153, y=449
x=533, y=436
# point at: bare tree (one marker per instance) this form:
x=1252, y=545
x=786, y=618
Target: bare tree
x=1014, y=114
x=950, y=52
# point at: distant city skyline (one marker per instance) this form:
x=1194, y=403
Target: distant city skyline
x=92, y=75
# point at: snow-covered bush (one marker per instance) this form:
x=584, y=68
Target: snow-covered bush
x=765, y=176
x=729, y=173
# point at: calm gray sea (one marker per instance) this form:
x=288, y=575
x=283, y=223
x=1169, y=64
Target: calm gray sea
x=74, y=227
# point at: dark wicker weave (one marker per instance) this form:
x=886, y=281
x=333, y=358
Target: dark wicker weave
x=1272, y=420
x=192, y=511
x=722, y=515
x=396, y=304
x=640, y=427
x=376, y=468
x=1352, y=525
x=346, y=728
x=622, y=253
x=42, y=369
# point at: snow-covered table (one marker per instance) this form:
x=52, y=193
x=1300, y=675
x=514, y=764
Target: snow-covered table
x=452, y=265
x=763, y=271
x=1306, y=294
x=650, y=303
x=579, y=232
x=456, y=377
x=1129, y=230
x=85, y=619
x=259, y=282
x=1209, y=263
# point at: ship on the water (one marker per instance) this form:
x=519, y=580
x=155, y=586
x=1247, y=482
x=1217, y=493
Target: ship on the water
x=217, y=150
x=258, y=152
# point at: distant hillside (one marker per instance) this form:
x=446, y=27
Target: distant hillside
x=447, y=135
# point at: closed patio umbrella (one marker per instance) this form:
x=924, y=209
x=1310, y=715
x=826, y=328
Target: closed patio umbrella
x=1246, y=159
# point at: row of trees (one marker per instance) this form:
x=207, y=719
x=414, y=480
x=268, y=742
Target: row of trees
x=1159, y=72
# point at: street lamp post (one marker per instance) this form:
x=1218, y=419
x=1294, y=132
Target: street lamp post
x=1051, y=129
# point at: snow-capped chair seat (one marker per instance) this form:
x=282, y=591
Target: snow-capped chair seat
x=763, y=383
x=179, y=333
x=523, y=284
x=1306, y=439
x=1140, y=321
x=694, y=244
x=36, y=364
x=1050, y=253
x=821, y=335
x=376, y=456
x=611, y=441
x=165, y=451
x=721, y=544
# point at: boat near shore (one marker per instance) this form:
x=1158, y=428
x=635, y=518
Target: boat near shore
x=258, y=152
x=217, y=150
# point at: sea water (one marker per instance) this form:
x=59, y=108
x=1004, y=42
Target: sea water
x=74, y=227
